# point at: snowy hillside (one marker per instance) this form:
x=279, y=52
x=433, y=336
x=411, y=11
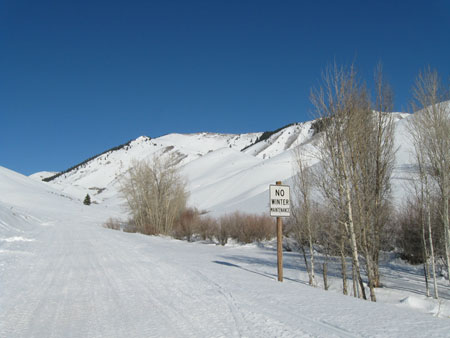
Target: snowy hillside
x=225, y=172
x=100, y=176
x=26, y=203
x=282, y=140
x=63, y=275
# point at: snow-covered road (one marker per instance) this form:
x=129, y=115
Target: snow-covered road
x=77, y=279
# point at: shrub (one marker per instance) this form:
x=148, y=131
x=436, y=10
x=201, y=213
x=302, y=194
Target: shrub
x=129, y=226
x=247, y=228
x=221, y=232
x=207, y=227
x=184, y=227
x=112, y=223
x=87, y=200
x=408, y=236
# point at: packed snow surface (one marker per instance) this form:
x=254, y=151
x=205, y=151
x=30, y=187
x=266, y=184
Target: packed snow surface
x=63, y=275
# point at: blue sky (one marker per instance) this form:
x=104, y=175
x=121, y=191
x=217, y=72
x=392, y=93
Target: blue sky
x=79, y=77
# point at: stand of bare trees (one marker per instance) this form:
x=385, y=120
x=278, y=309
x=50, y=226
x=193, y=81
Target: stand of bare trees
x=155, y=195
x=356, y=156
x=430, y=131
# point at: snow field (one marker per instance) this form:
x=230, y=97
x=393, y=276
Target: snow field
x=66, y=276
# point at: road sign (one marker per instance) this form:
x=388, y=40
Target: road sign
x=280, y=202
x=280, y=206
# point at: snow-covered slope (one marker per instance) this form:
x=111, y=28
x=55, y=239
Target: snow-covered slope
x=21, y=192
x=284, y=139
x=26, y=203
x=225, y=172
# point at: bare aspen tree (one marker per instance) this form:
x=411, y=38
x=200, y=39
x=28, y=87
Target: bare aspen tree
x=371, y=145
x=431, y=125
x=357, y=156
x=304, y=228
x=421, y=184
x=155, y=194
x=325, y=178
x=336, y=101
x=423, y=211
x=335, y=232
x=384, y=158
x=326, y=237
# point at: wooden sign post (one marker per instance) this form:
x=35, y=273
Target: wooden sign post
x=280, y=207
x=280, y=248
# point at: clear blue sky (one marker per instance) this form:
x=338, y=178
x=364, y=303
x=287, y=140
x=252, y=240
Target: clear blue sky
x=78, y=77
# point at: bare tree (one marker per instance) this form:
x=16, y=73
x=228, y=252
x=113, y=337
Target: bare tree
x=421, y=185
x=155, y=194
x=336, y=101
x=327, y=236
x=371, y=145
x=382, y=160
x=334, y=231
x=356, y=156
x=304, y=227
x=430, y=125
x=430, y=130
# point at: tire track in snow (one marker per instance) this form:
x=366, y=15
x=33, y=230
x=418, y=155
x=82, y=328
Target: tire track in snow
x=257, y=316
x=153, y=281
x=234, y=309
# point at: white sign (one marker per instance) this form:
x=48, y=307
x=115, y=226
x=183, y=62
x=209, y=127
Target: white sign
x=280, y=202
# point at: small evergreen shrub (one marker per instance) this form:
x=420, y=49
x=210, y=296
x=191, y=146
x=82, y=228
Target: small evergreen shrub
x=87, y=200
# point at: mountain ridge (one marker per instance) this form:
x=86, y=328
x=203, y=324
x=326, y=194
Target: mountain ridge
x=225, y=172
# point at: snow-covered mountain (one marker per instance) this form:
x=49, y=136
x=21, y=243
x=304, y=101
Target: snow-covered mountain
x=225, y=172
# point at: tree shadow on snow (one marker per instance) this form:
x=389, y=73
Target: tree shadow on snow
x=240, y=267
x=258, y=261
